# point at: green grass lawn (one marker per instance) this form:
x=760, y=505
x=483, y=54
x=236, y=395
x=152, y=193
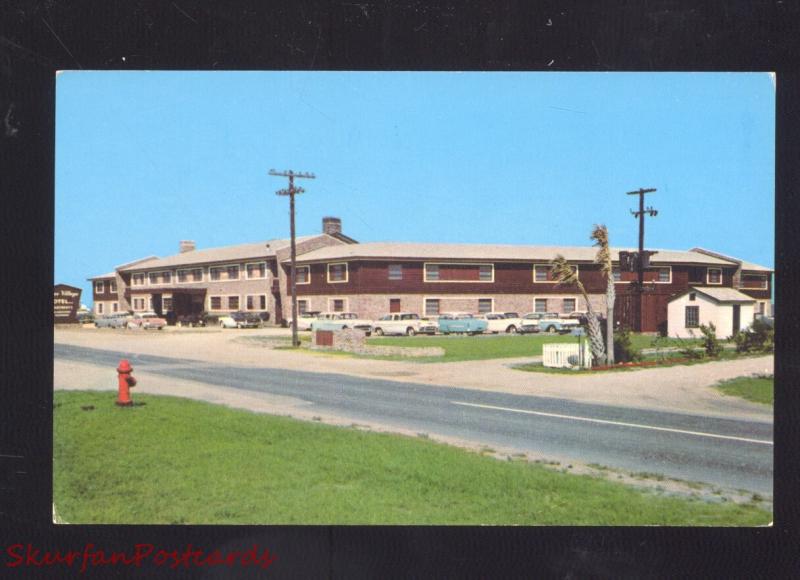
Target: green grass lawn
x=173, y=461
x=759, y=389
x=459, y=348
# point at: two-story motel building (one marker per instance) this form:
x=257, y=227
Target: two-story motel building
x=336, y=273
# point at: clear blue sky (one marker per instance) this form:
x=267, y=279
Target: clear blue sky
x=145, y=159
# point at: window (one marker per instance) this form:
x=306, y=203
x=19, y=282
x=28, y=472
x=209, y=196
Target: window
x=569, y=305
x=160, y=277
x=137, y=279
x=754, y=281
x=100, y=308
x=115, y=306
x=302, y=306
x=256, y=271
x=337, y=272
x=138, y=303
x=541, y=273
x=233, y=272
x=256, y=302
x=692, y=316
x=431, y=306
x=166, y=305
x=715, y=275
x=192, y=275
x=302, y=274
x=224, y=272
x=617, y=273
x=99, y=287
x=486, y=273
x=692, y=296
x=540, y=305
x=215, y=303
x=233, y=303
x=431, y=272
x=166, y=277
x=458, y=272
x=484, y=305
x=394, y=305
x=338, y=305
x=153, y=277
x=395, y=272
x=112, y=286
x=665, y=275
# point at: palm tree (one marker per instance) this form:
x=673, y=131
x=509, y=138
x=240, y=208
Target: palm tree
x=603, y=257
x=566, y=274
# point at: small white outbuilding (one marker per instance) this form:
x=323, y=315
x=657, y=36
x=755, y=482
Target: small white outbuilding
x=729, y=310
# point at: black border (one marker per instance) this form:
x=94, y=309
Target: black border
x=38, y=38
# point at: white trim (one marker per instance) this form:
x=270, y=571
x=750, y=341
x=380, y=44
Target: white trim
x=247, y=275
x=491, y=309
x=189, y=270
x=308, y=305
x=441, y=297
x=297, y=269
x=225, y=267
x=346, y=307
x=133, y=279
x=112, y=286
x=561, y=297
x=100, y=284
x=115, y=307
x=224, y=304
x=708, y=277
x=479, y=264
x=99, y=307
x=548, y=266
x=259, y=309
x=621, y=271
x=389, y=271
x=346, y=273
x=658, y=275
x=162, y=283
x=134, y=300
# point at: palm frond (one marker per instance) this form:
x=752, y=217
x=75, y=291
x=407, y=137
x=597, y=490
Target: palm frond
x=562, y=271
x=603, y=257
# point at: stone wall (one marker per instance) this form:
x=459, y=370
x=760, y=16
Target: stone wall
x=352, y=340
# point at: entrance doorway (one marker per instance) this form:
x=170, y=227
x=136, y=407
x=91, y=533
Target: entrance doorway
x=736, y=318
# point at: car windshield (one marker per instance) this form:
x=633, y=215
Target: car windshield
x=463, y=316
x=387, y=317
x=409, y=317
x=348, y=316
x=511, y=315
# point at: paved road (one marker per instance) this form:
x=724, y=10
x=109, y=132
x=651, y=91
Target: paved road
x=724, y=452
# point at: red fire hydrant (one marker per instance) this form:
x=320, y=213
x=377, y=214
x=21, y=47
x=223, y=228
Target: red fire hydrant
x=126, y=381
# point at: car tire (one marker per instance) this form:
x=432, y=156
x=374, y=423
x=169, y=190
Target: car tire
x=511, y=329
x=410, y=331
x=378, y=332
x=551, y=329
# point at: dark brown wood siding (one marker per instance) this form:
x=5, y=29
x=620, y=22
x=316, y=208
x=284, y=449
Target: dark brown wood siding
x=106, y=294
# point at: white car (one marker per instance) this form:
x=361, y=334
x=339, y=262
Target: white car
x=304, y=320
x=407, y=323
x=339, y=321
x=498, y=322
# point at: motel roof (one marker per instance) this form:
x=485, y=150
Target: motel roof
x=720, y=294
x=495, y=252
x=237, y=253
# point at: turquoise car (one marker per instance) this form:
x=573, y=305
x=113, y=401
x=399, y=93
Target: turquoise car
x=461, y=322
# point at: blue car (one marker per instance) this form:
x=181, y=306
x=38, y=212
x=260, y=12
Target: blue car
x=461, y=322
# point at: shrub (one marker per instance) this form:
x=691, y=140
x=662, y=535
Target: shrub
x=624, y=351
x=710, y=341
x=760, y=337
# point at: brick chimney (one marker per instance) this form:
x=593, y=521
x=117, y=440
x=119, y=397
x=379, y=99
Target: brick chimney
x=187, y=246
x=331, y=225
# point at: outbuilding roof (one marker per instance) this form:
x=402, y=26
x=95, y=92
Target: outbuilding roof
x=720, y=294
x=235, y=253
x=492, y=252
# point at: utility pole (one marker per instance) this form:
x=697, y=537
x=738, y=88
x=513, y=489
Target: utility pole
x=642, y=259
x=291, y=191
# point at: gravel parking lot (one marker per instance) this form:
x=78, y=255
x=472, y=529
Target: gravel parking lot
x=679, y=388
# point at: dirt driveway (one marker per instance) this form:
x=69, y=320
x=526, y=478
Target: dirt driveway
x=681, y=388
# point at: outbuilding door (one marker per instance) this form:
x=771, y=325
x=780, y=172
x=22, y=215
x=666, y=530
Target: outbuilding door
x=736, y=318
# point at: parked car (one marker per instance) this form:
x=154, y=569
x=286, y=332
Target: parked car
x=146, y=320
x=552, y=323
x=407, y=323
x=240, y=320
x=461, y=322
x=196, y=319
x=304, y=320
x=115, y=320
x=530, y=322
x=341, y=320
x=498, y=322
